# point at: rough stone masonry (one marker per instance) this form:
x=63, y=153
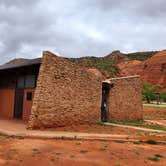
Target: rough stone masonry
x=66, y=94
x=125, y=100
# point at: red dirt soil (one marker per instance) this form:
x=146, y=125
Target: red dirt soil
x=104, y=130
x=28, y=152
x=154, y=113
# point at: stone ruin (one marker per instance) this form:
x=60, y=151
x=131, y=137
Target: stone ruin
x=67, y=94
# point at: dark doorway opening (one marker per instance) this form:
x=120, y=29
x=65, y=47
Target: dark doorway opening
x=104, y=104
x=18, y=107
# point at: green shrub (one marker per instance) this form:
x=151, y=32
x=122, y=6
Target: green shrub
x=158, y=155
x=153, y=158
x=153, y=142
x=149, y=92
x=163, y=97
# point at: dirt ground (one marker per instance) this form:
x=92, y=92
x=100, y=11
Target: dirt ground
x=33, y=152
x=154, y=113
x=150, y=113
x=37, y=152
x=100, y=129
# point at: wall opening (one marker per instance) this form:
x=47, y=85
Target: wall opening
x=104, y=104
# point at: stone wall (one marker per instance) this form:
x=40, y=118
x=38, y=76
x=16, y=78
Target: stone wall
x=125, y=101
x=66, y=94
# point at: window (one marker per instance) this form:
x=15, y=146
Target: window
x=20, y=82
x=29, y=96
x=30, y=81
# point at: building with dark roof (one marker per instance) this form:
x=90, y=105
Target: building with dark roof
x=52, y=91
x=17, y=85
x=48, y=92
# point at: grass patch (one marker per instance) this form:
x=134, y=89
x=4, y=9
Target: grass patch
x=36, y=151
x=100, y=123
x=152, y=142
x=153, y=158
x=137, y=142
x=130, y=123
x=13, y=150
x=158, y=155
x=119, y=141
x=156, y=127
x=83, y=151
x=102, y=148
x=78, y=143
x=72, y=156
x=142, y=124
x=56, y=153
x=54, y=159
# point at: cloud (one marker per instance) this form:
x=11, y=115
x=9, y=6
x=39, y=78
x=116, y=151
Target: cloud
x=80, y=27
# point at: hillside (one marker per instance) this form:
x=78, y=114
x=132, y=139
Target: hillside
x=141, y=56
x=108, y=65
x=17, y=60
x=152, y=70
x=149, y=65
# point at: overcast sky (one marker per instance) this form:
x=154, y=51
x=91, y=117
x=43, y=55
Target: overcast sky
x=75, y=28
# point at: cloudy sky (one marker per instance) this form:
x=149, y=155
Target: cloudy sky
x=75, y=28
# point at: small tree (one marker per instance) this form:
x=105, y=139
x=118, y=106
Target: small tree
x=163, y=97
x=149, y=91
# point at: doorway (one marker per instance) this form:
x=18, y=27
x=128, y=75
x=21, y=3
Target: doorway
x=104, y=104
x=18, y=107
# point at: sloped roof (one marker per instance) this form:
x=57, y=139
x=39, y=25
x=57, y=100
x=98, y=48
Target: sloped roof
x=28, y=62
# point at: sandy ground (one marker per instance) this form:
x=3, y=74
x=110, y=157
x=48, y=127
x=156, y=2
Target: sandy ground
x=154, y=113
x=37, y=152
x=153, y=104
x=101, y=130
x=33, y=152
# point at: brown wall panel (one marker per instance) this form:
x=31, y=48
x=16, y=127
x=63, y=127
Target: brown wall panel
x=7, y=103
x=27, y=105
x=125, y=100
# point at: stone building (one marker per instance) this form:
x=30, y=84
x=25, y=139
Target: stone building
x=49, y=92
x=52, y=91
x=17, y=86
x=122, y=99
x=66, y=94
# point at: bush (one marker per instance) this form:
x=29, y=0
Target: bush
x=163, y=97
x=149, y=92
x=152, y=142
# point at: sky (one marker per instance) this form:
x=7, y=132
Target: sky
x=75, y=28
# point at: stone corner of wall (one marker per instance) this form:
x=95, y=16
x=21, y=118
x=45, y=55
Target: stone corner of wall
x=48, y=54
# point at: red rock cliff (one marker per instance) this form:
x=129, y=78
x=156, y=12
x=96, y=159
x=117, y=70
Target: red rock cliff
x=152, y=70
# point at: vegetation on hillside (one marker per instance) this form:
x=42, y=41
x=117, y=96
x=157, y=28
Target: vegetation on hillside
x=141, y=55
x=107, y=66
